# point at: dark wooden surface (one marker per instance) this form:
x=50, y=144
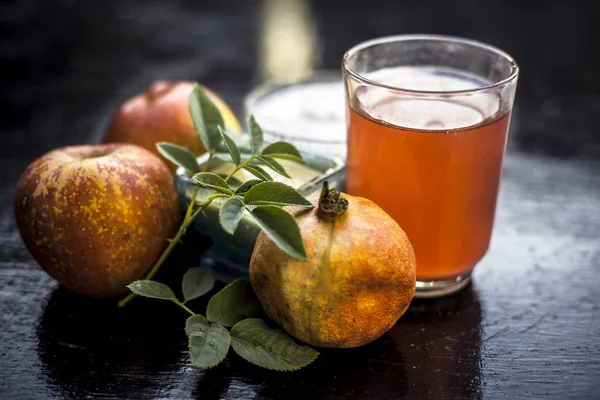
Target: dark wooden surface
x=529, y=326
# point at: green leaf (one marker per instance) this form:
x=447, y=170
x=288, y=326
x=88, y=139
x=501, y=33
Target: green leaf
x=282, y=228
x=232, y=148
x=276, y=194
x=230, y=214
x=284, y=151
x=258, y=172
x=206, y=116
x=255, y=134
x=246, y=186
x=233, y=303
x=208, y=343
x=274, y=165
x=152, y=289
x=179, y=156
x=269, y=348
x=212, y=181
x=197, y=282
x=195, y=325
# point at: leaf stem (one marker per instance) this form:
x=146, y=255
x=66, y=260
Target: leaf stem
x=188, y=213
x=239, y=167
x=180, y=304
x=184, y=225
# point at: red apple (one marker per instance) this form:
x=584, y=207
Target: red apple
x=97, y=217
x=161, y=114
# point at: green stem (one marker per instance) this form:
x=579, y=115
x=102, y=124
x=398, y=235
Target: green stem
x=206, y=204
x=186, y=222
x=180, y=304
x=193, y=200
x=239, y=167
x=188, y=213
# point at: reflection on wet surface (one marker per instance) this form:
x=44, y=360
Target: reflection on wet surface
x=433, y=336
x=84, y=343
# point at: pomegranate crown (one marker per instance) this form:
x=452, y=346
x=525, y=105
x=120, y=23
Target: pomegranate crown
x=331, y=204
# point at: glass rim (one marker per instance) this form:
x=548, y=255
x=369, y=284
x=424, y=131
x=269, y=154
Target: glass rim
x=514, y=72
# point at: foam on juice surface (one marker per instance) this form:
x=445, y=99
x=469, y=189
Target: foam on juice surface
x=434, y=113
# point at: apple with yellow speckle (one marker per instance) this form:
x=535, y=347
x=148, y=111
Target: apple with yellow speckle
x=96, y=217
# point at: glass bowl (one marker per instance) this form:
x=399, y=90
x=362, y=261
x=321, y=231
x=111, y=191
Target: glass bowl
x=308, y=113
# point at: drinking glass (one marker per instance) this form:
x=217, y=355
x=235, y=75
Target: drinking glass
x=427, y=120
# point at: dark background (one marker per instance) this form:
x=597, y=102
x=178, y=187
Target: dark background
x=528, y=326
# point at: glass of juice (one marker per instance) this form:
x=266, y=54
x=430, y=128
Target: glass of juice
x=427, y=121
